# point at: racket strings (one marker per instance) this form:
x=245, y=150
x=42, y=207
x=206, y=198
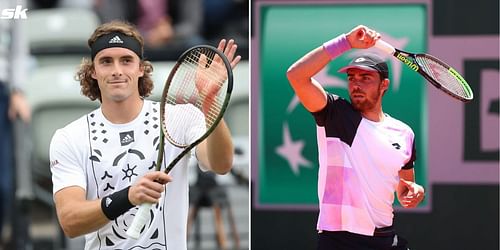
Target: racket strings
x=443, y=76
x=183, y=96
x=203, y=77
x=209, y=74
x=214, y=67
x=197, y=92
x=206, y=78
x=211, y=114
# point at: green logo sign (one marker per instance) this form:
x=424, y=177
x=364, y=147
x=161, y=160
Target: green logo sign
x=288, y=158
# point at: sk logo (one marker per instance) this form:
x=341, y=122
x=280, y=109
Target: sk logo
x=18, y=13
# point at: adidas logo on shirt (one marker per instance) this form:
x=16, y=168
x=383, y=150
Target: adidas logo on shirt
x=126, y=138
x=115, y=39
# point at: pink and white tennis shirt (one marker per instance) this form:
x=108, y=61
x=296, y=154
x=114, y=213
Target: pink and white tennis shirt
x=359, y=163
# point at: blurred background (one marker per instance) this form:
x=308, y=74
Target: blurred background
x=40, y=51
x=457, y=143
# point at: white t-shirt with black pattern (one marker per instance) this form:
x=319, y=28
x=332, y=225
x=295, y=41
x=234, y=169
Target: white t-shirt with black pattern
x=359, y=167
x=103, y=158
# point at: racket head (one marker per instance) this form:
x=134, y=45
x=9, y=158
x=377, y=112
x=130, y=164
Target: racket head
x=444, y=77
x=198, y=88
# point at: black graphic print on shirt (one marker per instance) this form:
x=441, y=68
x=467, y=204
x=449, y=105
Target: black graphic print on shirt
x=120, y=155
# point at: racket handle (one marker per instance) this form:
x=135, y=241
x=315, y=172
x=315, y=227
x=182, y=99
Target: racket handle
x=140, y=219
x=384, y=46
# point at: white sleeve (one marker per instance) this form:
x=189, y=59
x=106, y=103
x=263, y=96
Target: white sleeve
x=184, y=123
x=195, y=130
x=67, y=170
x=185, y=128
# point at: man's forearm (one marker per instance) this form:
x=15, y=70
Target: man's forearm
x=217, y=150
x=79, y=218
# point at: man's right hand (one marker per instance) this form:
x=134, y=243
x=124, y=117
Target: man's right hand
x=362, y=37
x=148, y=188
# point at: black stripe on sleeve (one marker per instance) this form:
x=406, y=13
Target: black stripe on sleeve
x=339, y=119
x=411, y=162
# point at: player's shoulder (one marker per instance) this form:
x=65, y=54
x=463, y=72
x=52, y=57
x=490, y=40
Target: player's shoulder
x=77, y=128
x=151, y=105
x=334, y=97
x=339, y=103
x=398, y=124
x=336, y=100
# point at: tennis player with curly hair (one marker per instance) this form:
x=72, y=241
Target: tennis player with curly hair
x=102, y=163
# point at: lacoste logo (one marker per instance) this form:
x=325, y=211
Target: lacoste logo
x=115, y=39
x=396, y=145
x=108, y=201
x=126, y=138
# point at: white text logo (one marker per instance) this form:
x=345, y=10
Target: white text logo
x=17, y=13
x=115, y=39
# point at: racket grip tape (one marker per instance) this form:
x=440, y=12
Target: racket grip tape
x=141, y=217
x=384, y=46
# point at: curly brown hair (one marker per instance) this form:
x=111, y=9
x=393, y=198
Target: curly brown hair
x=89, y=85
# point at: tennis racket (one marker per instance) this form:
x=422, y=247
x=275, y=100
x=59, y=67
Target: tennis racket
x=198, y=87
x=437, y=72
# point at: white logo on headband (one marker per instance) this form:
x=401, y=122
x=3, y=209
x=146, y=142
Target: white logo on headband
x=115, y=39
x=361, y=59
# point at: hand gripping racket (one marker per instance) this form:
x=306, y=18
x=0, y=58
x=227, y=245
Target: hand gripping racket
x=198, y=87
x=437, y=72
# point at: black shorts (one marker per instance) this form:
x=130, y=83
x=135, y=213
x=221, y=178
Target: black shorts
x=342, y=240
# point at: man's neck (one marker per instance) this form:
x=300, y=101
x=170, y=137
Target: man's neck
x=122, y=112
x=375, y=115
